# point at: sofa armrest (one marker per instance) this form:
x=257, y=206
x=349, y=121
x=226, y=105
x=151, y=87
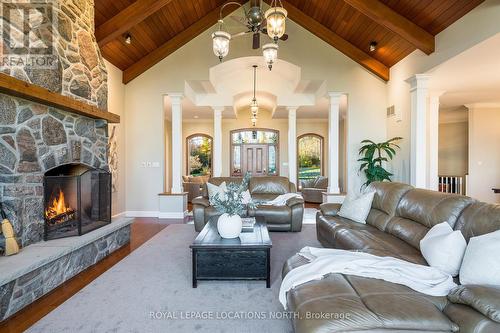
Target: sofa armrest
x=484, y=299
x=201, y=201
x=330, y=209
x=295, y=201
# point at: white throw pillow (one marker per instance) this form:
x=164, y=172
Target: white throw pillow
x=357, y=208
x=213, y=190
x=444, y=248
x=481, y=264
x=247, y=197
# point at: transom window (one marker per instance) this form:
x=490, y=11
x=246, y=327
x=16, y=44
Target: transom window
x=199, y=155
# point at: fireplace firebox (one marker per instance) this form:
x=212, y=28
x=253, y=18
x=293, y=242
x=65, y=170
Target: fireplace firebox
x=77, y=200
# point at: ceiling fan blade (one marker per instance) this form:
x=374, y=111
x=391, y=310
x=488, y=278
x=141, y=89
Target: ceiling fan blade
x=241, y=20
x=243, y=33
x=256, y=41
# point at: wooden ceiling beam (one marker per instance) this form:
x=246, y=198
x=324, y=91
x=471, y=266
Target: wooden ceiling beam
x=387, y=17
x=322, y=32
x=127, y=19
x=172, y=45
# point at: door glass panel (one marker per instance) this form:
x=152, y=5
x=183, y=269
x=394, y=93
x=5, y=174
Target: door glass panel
x=272, y=170
x=261, y=137
x=237, y=160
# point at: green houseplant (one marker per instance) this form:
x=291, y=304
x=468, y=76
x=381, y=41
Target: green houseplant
x=373, y=157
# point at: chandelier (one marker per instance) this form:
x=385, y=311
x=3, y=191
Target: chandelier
x=254, y=106
x=272, y=23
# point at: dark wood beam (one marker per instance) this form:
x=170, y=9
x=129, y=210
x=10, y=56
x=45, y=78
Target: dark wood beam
x=395, y=22
x=172, y=45
x=127, y=19
x=11, y=86
x=322, y=32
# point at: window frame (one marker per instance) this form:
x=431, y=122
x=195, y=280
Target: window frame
x=188, y=173
x=322, y=148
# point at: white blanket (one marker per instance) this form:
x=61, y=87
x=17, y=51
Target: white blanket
x=282, y=199
x=424, y=279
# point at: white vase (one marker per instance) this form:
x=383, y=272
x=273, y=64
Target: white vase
x=229, y=226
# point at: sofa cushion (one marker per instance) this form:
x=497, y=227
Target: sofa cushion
x=363, y=304
x=269, y=185
x=386, y=199
x=419, y=210
x=485, y=299
x=219, y=180
x=478, y=219
x=273, y=214
x=321, y=182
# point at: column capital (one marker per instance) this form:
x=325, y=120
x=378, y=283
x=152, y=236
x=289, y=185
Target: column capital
x=436, y=93
x=175, y=97
x=292, y=108
x=218, y=109
x=335, y=97
x=419, y=81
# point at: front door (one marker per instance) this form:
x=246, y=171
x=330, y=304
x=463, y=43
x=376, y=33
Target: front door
x=255, y=159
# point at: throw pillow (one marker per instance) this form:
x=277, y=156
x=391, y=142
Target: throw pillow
x=213, y=190
x=357, y=208
x=481, y=264
x=444, y=248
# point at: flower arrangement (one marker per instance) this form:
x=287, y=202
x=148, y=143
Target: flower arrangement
x=235, y=200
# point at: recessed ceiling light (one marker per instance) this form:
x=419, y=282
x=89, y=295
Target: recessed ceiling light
x=128, y=39
x=196, y=117
x=373, y=46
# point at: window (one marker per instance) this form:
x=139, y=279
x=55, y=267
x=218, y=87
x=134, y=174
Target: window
x=310, y=156
x=255, y=151
x=199, y=155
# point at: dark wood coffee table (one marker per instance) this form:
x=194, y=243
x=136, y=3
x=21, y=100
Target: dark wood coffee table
x=245, y=258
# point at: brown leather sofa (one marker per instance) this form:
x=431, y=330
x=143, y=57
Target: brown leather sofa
x=400, y=217
x=312, y=189
x=262, y=189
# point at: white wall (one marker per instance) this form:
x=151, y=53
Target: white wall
x=318, y=60
x=453, y=149
x=484, y=152
x=475, y=27
x=116, y=99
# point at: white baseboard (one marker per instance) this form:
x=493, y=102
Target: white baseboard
x=122, y=214
x=141, y=213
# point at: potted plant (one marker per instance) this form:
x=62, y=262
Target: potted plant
x=374, y=155
x=234, y=203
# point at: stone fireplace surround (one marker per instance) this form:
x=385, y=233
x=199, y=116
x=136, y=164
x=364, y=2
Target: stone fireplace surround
x=35, y=138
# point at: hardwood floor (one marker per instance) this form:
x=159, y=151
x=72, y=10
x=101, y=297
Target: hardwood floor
x=141, y=231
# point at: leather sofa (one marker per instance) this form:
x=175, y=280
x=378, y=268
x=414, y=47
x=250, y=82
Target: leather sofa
x=312, y=189
x=262, y=189
x=399, y=218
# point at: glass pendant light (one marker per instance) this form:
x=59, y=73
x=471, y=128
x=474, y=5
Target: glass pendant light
x=254, y=106
x=276, y=20
x=270, y=52
x=220, y=40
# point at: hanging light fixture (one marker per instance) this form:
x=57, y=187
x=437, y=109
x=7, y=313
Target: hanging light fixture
x=270, y=52
x=276, y=20
x=220, y=41
x=254, y=106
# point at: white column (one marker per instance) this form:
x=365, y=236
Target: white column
x=419, y=99
x=292, y=144
x=217, y=144
x=433, y=143
x=176, y=100
x=333, y=142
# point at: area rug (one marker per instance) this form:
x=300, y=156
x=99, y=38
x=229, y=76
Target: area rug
x=150, y=291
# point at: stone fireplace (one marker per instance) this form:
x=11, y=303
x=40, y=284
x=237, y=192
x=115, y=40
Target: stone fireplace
x=36, y=138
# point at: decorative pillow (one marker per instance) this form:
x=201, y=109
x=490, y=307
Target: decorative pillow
x=357, y=208
x=481, y=264
x=213, y=190
x=444, y=248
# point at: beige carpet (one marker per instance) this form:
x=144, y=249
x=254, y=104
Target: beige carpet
x=150, y=291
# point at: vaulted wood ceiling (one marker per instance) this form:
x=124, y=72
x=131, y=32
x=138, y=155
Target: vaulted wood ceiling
x=160, y=27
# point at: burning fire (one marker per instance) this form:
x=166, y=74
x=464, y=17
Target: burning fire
x=58, y=207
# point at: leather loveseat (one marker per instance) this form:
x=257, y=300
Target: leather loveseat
x=262, y=189
x=400, y=217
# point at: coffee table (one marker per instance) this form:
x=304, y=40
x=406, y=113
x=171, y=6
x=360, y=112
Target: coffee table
x=247, y=257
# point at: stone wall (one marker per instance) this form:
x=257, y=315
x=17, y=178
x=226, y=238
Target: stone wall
x=35, y=138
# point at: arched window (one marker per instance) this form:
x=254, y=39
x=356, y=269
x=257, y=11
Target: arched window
x=309, y=156
x=199, y=155
x=256, y=151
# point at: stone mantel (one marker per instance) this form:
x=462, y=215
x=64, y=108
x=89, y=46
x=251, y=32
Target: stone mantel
x=11, y=86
